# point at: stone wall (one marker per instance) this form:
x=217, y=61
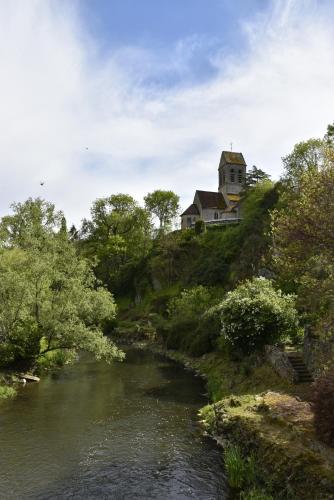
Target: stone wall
x=280, y=362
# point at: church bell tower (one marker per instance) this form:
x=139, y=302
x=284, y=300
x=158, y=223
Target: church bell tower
x=232, y=175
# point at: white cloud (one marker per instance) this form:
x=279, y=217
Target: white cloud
x=58, y=97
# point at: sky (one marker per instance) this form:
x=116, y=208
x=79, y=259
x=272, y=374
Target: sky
x=128, y=96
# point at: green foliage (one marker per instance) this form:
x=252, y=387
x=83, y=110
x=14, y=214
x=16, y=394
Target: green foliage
x=255, y=314
x=184, y=313
x=30, y=224
x=200, y=226
x=323, y=407
x=241, y=472
x=254, y=176
x=46, y=291
x=117, y=238
x=235, y=253
x=164, y=205
x=191, y=303
x=302, y=253
x=169, y=261
x=255, y=494
x=329, y=137
x=7, y=392
x=207, y=331
x=306, y=158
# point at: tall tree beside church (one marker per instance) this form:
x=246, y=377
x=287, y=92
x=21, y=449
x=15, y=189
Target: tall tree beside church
x=256, y=175
x=164, y=205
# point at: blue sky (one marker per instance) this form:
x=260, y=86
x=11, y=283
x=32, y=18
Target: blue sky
x=159, y=26
x=107, y=96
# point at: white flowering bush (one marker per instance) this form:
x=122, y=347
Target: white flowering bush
x=256, y=314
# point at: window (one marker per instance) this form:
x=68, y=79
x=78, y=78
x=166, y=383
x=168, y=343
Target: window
x=216, y=215
x=232, y=176
x=240, y=177
x=188, y=221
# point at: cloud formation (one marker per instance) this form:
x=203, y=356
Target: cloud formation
x=91, y=125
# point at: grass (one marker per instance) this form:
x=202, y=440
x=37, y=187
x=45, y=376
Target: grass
x=7, y=392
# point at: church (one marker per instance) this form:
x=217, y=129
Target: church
x=223, y=206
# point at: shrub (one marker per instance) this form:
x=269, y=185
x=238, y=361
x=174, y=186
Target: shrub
x=207, y=332
x=255, y=314
x=200, y=226
x=184, y=314
x=323, y=398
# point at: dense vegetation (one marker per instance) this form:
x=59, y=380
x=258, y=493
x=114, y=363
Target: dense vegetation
x=50, y=299
x=216, y=289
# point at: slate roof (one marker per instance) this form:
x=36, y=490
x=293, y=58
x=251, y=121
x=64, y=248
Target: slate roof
x=211, y=199
x=231, y=158
x=192, y=210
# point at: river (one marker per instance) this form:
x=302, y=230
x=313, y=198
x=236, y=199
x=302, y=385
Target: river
x=94, y=431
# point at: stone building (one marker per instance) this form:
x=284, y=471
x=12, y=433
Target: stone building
x=222, y=206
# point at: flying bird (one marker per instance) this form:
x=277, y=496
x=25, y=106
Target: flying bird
x=42, y=183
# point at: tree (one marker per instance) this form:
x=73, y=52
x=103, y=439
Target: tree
x=31, y=224
x=329, y=137
x=49, y=297
x=307, y=156
x=164, y=205
x=256, y=175
x=255, y=314
x=118, y=236
x=303, y=239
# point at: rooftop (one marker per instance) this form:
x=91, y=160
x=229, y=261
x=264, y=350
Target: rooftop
x=192, y=210
x=211, y=199
x=231, y=158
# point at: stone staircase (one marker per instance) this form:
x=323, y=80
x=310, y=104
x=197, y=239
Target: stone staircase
x=297, y=363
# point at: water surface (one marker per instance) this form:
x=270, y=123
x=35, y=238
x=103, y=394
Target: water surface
x=95, y=431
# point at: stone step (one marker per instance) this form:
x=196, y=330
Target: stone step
x=298, y=364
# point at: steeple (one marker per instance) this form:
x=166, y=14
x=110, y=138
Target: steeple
x=232, y=173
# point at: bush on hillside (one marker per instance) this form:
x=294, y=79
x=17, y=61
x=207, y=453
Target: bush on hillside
x=184, y=313
x=200, y=226
x=323, y=398
x=190, y=304
x=255, y=314
x=207, y=332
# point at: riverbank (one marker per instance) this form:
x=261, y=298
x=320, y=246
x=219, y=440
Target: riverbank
x=7, y=387
x=268, y=422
